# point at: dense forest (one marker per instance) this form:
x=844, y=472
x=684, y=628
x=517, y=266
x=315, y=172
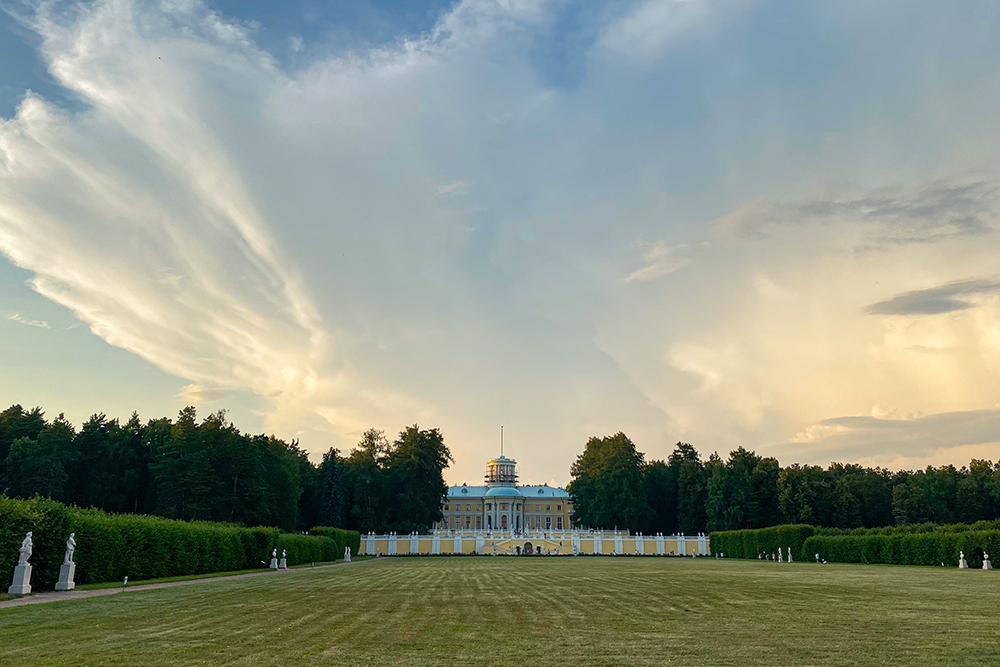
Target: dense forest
x=209, y=470
x=613, y=485
x=183, y=469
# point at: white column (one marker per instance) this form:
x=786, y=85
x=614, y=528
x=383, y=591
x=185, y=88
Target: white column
x=414, y=543
x=436, y=544
x=661, y=549
x=457, y=545
x=370, y=545
x=392, y=544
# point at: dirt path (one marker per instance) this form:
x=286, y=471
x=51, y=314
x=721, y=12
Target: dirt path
x=52, y=596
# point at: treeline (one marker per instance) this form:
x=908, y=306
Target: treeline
x=210, y=471
x=613, y=485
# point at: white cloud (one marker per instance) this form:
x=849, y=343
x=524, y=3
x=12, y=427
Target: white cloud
x=660, y=259
x=195, y=394
x=16, y=317
x=891, y=438
x=453, y=188
x=305, y=235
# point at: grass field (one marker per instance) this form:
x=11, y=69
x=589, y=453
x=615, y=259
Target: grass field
x=523, y=611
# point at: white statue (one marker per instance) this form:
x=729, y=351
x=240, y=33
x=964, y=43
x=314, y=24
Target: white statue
x=70, y=548
x=24, y=553
x=284, y=553
x=274, y=553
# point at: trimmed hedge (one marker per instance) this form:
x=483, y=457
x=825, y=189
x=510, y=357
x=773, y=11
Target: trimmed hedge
x=750, y=543
x=915, y=528
x=923, y=548
x=110, y=546
x=343, y=538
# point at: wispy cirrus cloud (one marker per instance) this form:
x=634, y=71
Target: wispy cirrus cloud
x=892, y=436
x=196, y=394
x=420, y=231
x=946, y=298
x=660, y=259
x=16, y=317
x=891, y=216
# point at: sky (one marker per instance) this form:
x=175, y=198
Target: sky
x=760, y=224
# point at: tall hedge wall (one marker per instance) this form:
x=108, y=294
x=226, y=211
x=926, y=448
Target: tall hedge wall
x=915, y=528
x=343, y=538
x=110, y=546
x=925, y=548
x=750, y=543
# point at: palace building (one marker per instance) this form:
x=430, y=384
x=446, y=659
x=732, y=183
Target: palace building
x=501, y=505
x=502, y=518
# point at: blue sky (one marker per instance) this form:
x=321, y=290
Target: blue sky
x=729, y=223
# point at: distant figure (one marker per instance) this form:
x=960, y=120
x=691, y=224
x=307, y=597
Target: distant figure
x=817, y=558
x=70, y=548
x=24, y=553
x=773, y=557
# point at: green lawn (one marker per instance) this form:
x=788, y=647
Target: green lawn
x=191, y=577
x=531, y=611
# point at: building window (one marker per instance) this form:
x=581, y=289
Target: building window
x=558, y=523
x=488, y=505
x=548, y=508
x=479, y=523
x=538, y=522
x=468, y=522
x=468, y=508
x=548, y=523
x=445, y=508
x=559, y=508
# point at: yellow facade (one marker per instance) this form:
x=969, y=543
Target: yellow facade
x=554, y=543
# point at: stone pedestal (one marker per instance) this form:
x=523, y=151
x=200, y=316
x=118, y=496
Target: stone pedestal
x=282, y=565
x=21, y=583
x=66, y=574
x=963, y=564
x=987, y=565
x=790, y=555
x=274, y=564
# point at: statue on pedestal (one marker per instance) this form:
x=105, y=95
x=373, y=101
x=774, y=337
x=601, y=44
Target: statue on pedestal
x=962, y=564
x=68, y=569
x=70, y=548
x=24, y=553
x=21, y=582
